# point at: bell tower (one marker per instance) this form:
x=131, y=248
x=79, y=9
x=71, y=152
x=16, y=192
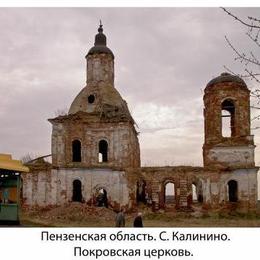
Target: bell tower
x=99, y=131
x=228, y=141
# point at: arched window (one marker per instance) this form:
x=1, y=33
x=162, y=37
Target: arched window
x=76, y=151
x=77, y=191
x=103, y=151
x=228, y=118
x=169, y=193
x=232, y=191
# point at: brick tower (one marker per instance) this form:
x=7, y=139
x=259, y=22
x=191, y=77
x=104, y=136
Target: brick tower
x=227, y=123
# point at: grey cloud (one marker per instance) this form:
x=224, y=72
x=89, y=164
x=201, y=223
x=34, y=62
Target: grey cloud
x=164, y=56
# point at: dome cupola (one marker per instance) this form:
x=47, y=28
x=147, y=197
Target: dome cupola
x=100, y=44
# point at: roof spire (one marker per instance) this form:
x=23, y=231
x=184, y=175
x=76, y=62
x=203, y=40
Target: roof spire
x=100, y=38
x=100, y=29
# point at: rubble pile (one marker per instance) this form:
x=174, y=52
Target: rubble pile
x=74, y=211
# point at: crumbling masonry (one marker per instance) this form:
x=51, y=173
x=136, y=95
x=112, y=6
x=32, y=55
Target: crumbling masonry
x=96, y=155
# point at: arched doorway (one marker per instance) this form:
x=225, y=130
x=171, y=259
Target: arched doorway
x=102, y=200
x=197, y=191
x=141, y=193
x=77, y=191
x=169, y=194
x=232, y=191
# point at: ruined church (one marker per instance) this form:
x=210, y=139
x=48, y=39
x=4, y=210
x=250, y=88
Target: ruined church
x=95, y=153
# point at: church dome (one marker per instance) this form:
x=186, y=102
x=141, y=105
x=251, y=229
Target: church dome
x=100, y=98
x=103, y=102
x=227, y=77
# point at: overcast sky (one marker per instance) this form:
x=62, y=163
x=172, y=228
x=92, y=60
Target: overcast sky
x=164, y=58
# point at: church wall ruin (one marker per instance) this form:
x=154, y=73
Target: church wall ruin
x=95, y=147
x=39, y=187
x=55, y=187
x=211, y=184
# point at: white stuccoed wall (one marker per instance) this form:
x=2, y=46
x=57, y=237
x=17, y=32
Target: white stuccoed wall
x=55, y=187
x=233, y=156
x=247, y=184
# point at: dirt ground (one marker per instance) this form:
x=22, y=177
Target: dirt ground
x=81, y=215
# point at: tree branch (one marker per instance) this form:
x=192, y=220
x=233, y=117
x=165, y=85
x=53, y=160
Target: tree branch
x=253, y=75
x=254, y=39
x=241, y=21
x=253, y=19
x=241, y=57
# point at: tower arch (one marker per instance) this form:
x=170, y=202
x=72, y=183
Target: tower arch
x=228, y=122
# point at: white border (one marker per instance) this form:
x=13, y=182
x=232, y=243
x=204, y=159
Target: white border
x=127, y=3
x=26, y=243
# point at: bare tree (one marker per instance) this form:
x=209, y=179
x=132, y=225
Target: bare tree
x=249, y=59
x=27, y=158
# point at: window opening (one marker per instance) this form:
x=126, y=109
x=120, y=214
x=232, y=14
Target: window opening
x=91, y=99
x=103, y=151
x=228, y=118
x=76, y=151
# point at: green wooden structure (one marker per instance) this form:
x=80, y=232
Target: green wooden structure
x=10, y=189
